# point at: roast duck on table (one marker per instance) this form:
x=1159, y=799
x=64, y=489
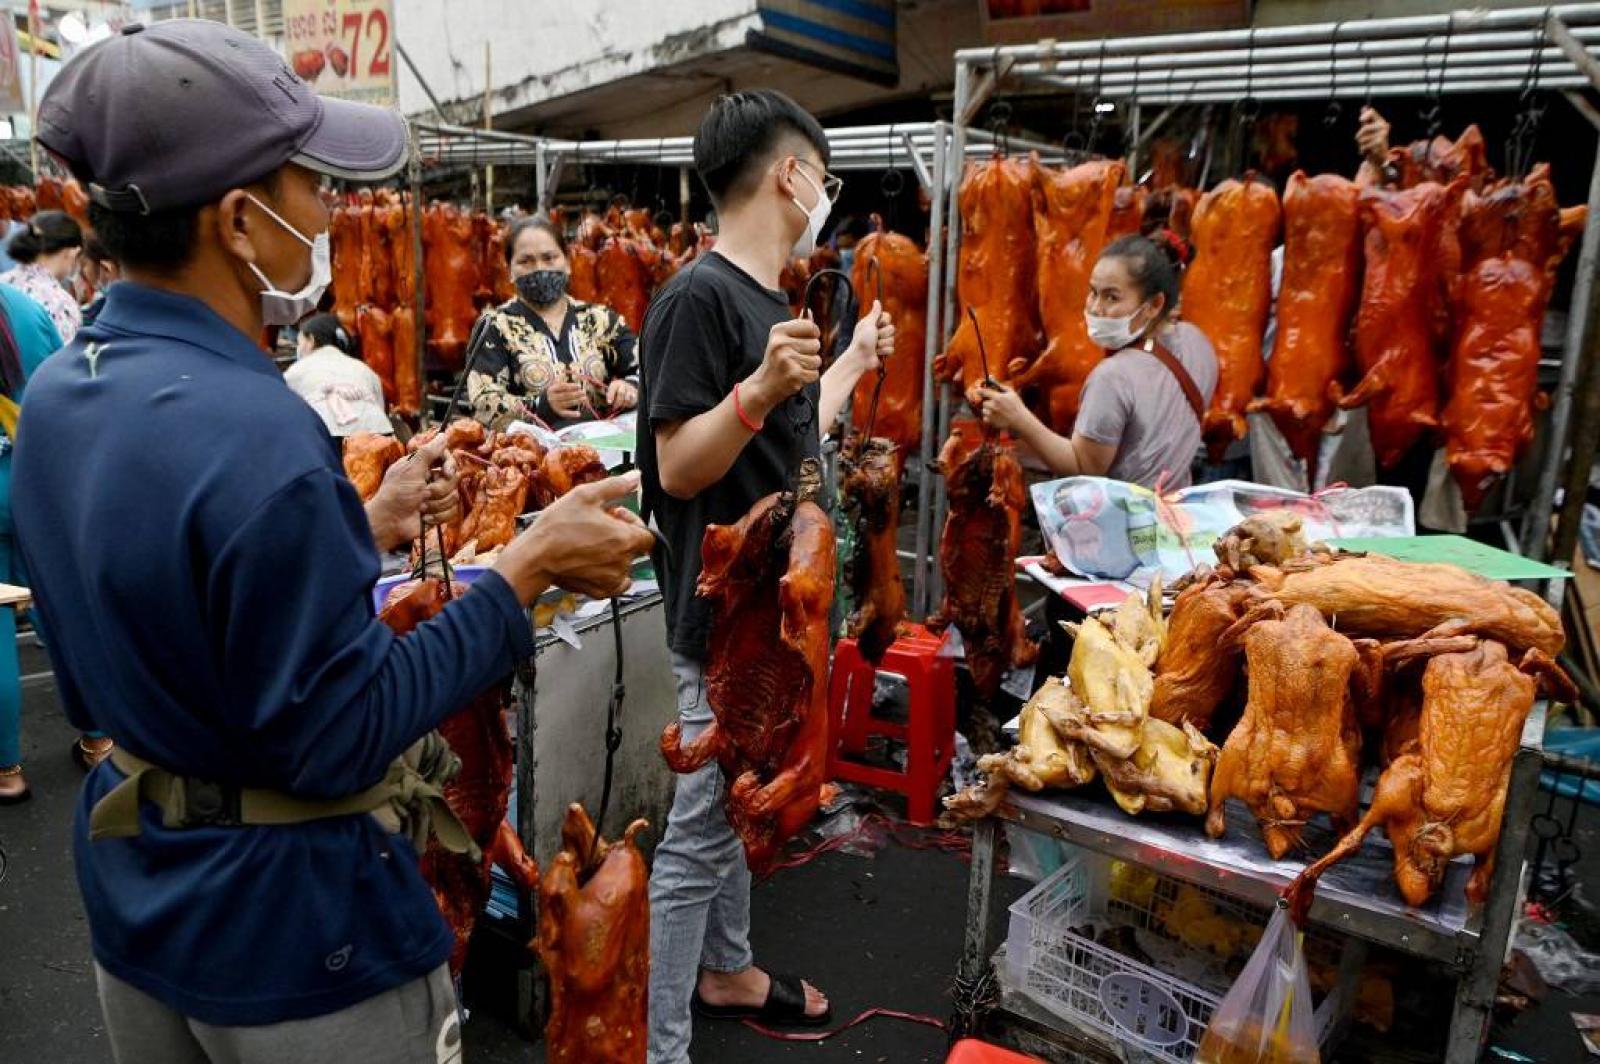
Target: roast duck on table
x=870, y=486
x=977, y=554
x=896, y=262
x=997, y=278
x=1316, y=301
x=1072, y=210
x=1227, y=294
x=769, y=580
x=594, y=943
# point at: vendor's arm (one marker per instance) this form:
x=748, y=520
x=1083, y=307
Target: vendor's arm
x=323, y=693
x=489, y=382
x=872, y=343
x=622, y=364
x=1077, y=455
x=1372, y=139
x=696, y=448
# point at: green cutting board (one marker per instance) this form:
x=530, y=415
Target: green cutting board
x=1469, y=554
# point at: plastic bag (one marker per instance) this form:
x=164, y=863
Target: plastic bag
x=1267, y=1017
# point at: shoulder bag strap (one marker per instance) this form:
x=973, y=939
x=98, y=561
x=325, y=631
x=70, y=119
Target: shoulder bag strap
x=1191, y=391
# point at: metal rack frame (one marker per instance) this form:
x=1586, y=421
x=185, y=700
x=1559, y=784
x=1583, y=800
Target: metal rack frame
x=1509, y=50
x=1472, y=942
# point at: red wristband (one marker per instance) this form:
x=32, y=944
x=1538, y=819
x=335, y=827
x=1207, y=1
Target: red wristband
x=744, y=419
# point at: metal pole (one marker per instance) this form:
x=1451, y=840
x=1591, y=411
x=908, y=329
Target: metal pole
x=1580, y=329
x=1133, y=142
x=488, y=126
x=33, y=84
x=418, y=275
x=923, y=561
x=1575, y=51
x=954, y=172
x=1585, y=438
x=683, y=198
x=261, y=19
x=427, y=90
x=540, y=196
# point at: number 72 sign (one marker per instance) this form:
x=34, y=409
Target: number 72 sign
x=343, y=47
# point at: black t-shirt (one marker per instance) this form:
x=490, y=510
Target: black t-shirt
x=705, y=331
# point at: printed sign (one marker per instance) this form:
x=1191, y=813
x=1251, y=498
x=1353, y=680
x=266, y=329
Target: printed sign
x=344, y=48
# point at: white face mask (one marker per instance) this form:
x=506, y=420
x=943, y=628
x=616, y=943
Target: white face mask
x=289, y=308
x=1113, y=334
x=816, y=218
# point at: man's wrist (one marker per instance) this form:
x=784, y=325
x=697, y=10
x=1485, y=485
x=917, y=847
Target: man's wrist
x=385, y=531
x=523, y=566
x=755, y=397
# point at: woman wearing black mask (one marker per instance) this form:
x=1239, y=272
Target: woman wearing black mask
x=544, y=354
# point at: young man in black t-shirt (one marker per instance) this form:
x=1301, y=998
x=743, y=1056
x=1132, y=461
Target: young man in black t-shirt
x=727, y=371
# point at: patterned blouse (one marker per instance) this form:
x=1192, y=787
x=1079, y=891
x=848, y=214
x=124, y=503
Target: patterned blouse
x=518, y=358
x=37, y=283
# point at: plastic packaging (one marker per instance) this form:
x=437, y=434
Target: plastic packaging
x=1267, y=1018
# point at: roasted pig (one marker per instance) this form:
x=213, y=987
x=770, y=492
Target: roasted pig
x=903, y=268
x=871, y=489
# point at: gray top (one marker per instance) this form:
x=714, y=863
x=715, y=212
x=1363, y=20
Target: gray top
x=1132, y=402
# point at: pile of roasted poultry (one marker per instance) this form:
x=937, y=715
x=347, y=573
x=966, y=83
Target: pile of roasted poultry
x=621, y=257
x=501, y=476
x=1278, y=678
x=1422, y=300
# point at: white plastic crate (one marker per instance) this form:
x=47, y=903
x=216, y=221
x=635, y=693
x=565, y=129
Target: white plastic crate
x=1052, y=957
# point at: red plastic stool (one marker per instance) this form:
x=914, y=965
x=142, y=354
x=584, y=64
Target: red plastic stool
x=972, y=1051
x=930, y=734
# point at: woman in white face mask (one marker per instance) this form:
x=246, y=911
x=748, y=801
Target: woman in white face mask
x=1139, y=416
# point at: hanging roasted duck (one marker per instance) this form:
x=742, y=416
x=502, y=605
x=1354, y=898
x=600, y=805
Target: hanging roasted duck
x=624, y=272
x=902, y=268
x=1512, y=240
x=1442, y=160
x=480, y=791
x=1127, y=212
x=1446, y=794
x=1316, y=301
x=395, y=225
x=1396, y=343
x=1297, y=749
x=870, y=485
x=376, y=328
x=451, y=269
x=344, y=237
x=997, y=278
x=1071, y=212
x=769, y=580
x=1227, y=294
x=977, y=554
x=407, y=369
x=594, y=943
x=367, y=457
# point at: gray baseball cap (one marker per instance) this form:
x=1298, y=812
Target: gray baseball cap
x=177, y=113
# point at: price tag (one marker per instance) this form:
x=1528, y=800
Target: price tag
x=343, y=48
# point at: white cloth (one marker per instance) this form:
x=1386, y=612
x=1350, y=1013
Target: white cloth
x=343, y=391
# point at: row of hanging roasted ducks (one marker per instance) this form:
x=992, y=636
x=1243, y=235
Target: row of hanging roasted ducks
x=1307, y=666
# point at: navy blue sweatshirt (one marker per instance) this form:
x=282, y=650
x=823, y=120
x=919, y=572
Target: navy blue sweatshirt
x=204, y=573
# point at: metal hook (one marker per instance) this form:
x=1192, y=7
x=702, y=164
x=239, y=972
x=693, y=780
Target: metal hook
x=1332, y=113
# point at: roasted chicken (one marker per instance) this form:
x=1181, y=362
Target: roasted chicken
x=1112, y=678
x=977, y=554
x=1445, y=795
x=871, y=490
x=1194, y=674
x=623, y=272
x=769, y=579
x=367, y=457
x=1316, y=300
x=997, y=276
x=1270, y=538
x=594, y=943
x=1071, y=212
x=1227, y=294
x=1041, y=759
x=1396, y=333
x=1169, y=770
x=903, y=269
x=1296, y=751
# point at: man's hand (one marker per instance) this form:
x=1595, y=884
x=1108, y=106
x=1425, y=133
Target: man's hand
x=1372, y=137
x=793, y=360
x=581, y=542
x=873, y=341
x=621, y=395
x=414, y=496
x=564, y=395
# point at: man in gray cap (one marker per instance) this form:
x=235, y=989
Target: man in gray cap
x=204, y=571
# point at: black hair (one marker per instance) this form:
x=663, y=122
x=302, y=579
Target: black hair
x=522, y=225
x=94, y=249
x=43, y=234
x=159, y=241
x=1155, y=266
x=325, y=331
x=740, y=131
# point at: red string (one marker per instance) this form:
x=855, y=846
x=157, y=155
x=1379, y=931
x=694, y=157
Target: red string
x=1168, y=514
x=823, y=1036
x=879, y=830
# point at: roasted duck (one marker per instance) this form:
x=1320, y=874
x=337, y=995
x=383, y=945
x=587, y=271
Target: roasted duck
x=1297, y=749
x=479, y=792
x=997, y=278
x=395, y=225
x=344, y=237
x=377, y=345
x=1194, y=675
x=1381, y=598
x=623, y=271
x=594, y=943
x=1227, y=294
x=1396, y=335
x=367, y=457
x=563, y=469
x=1317, y=297
x=451, y=270
x=1270, y=538
x=1442, y=160
x=871, y=489
x=1041, y=759
x=1445, y=796
x=407, y=370
x=1071, y=212
x=977, y=554
x=499, y=500
x=769, y=580
x=903, y=268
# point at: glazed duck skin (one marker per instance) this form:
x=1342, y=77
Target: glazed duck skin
x=770, y=580
x=871, y=489
x=903, y=268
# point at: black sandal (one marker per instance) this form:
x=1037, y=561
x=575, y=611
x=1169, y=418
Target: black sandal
x=785, y=1006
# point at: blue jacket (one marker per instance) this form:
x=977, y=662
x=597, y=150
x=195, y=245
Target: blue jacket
x=205, y=572
x=37, y=339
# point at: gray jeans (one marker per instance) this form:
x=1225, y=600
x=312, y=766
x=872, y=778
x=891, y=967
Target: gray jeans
x=699, y=888
x=416, y=1023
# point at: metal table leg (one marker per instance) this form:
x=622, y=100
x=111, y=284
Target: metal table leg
x=978, y=946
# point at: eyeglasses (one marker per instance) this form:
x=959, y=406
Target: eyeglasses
x=832, y=184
